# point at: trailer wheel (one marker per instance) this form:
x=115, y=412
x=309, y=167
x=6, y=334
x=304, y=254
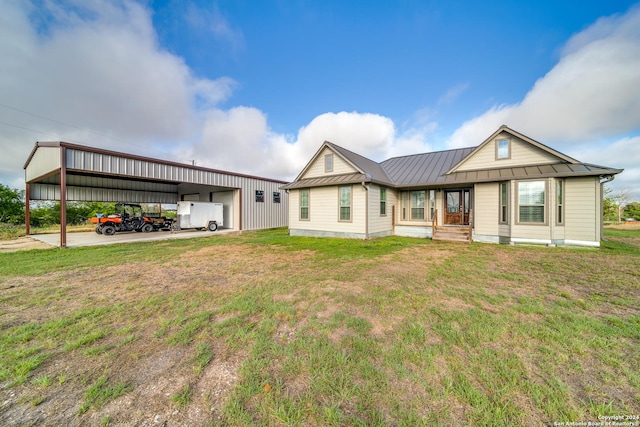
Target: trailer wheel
x=99, y=229
x=108, y=230
x=212, y=226
x=147, y=228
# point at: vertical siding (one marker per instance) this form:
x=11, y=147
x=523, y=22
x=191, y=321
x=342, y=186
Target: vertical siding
x=582, y=207
x=486, y=214
x=522, y=154
x=340, y=167
x=254, y=215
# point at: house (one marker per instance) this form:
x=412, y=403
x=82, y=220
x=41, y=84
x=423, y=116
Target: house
x=509, y=189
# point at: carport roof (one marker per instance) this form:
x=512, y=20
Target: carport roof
x=88, y=149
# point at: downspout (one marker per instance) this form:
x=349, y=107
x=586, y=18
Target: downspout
x=607, y=178
x=366, y=211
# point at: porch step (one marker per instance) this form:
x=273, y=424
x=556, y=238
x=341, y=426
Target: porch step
x=452, y=234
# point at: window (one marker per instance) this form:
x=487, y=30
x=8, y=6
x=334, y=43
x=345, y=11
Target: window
x=276, y=197
x=304, y=204
x=328, y=163
x=560, y=201
x=417, y=204
x=259, y=196
x=345, y=203
x=383, y=201
x=413, y=205
x=503, y=149
x=432, y=204
x=531, y=202
x=504, y=203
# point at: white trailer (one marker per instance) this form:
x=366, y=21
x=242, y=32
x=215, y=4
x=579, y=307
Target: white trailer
x=201, y=215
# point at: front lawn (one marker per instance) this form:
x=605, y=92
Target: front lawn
x=266, y=329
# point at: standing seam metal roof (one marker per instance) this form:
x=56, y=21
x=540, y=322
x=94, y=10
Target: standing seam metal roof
x=432, y=169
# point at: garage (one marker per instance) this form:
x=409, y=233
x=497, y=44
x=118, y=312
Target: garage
x=62, y=171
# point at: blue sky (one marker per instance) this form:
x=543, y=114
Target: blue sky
x=257, y=86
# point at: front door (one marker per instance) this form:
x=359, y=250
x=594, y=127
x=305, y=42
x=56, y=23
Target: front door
x=458, y=203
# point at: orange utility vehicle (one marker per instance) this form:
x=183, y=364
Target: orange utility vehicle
x=129, y=217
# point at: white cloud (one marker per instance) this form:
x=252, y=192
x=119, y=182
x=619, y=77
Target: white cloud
x=590, y=94
x=97, y=66
x=453, y=93
x=240, y=140
x=589, y=97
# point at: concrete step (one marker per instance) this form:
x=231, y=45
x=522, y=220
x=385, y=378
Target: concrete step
x=452, y=234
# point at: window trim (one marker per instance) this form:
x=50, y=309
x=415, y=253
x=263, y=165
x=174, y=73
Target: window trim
x=560, y=203
x=308, y=206
x=545, y=206
x=328, y=162
x=350, y=187
x=383, y=201
x=508, y=156
x=503, y=205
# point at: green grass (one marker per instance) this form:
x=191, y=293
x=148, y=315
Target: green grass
x=101, y=393
x=329, y=331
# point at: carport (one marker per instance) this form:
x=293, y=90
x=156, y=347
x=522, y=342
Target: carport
x=70, y=172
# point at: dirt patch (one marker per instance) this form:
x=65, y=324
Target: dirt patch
x=22, y=244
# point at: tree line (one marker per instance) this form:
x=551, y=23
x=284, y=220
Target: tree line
x=617, y=206
x=44, y=214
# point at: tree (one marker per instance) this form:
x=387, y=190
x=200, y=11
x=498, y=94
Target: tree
x=609, y=207
x=614, y=202
x=11, y=205
x=632, y=210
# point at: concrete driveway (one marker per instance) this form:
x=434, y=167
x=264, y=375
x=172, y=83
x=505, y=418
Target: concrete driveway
x=91, y=238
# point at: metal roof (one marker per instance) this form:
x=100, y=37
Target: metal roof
x=323, y=181
x=423, y=169
x=374, y=169
x=439, y=168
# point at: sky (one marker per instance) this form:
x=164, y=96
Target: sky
x=256, y=86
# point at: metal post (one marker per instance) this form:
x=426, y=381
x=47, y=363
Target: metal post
x=27, y=209
x=63, y=197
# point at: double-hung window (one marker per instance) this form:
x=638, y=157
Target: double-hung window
x=504, y=203
x=345, y=203
x=417, y=204
x=560, y=201
x=432, y=204
x=304, y=204
x=531, y=202
x=383, y=201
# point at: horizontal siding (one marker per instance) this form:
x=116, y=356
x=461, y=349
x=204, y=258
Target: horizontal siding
x=582, y=208
x=486, y=209
x=340, y=167
x=522, y=154
x=323, y=211
x=377, y=222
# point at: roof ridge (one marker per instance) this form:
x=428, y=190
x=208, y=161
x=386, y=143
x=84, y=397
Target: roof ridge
x=430, y=152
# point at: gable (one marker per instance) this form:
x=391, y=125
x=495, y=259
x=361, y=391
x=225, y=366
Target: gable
x=521, y=153
x=317, y=167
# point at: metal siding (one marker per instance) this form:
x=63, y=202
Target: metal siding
x=108, y=188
